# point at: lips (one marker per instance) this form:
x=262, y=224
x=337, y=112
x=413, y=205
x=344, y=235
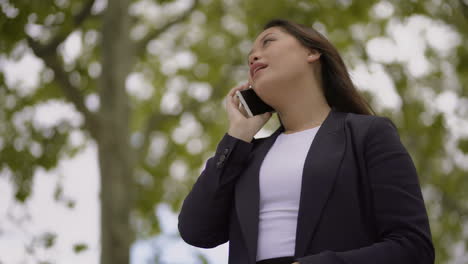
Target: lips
x=256, y=67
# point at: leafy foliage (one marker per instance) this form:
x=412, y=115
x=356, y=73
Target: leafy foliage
x=217, y=36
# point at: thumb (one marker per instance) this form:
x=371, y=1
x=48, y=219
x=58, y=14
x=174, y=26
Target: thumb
x=266, y=115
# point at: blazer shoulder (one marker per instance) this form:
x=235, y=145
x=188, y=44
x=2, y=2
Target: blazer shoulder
x=364, y=124
x=366, y=120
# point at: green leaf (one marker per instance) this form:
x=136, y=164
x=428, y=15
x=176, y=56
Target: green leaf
x=463, y=145
x=48, y=239
x=80, y=247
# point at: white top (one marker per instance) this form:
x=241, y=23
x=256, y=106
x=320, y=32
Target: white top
x=280, y=189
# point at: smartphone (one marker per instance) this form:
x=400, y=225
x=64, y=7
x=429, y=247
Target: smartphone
x=252, y=103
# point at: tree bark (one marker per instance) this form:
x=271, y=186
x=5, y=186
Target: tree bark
x=114, y=150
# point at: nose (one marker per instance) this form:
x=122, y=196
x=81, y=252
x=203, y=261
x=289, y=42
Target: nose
x=253, y=60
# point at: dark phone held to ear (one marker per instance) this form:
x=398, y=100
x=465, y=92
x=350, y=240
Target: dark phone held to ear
x=252, y=103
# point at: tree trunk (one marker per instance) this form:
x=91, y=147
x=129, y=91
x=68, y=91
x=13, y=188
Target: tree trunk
x=115, y=155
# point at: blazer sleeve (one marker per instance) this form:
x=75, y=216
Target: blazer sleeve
x=204, y=217
x=400, y=214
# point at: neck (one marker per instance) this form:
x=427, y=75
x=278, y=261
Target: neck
x=307, y=110
x=296, y=121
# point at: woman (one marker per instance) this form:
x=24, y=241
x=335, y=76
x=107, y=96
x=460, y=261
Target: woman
x=332, y=185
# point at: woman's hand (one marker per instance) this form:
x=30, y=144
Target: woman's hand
x=240, y=124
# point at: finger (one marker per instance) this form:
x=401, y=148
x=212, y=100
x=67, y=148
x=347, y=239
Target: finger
x=237, y=104
x=233, y=90
x=240, y=87
x=239, y=108
x=242, y=110
x=229, y=99
x=265, y=116
x=233, y=101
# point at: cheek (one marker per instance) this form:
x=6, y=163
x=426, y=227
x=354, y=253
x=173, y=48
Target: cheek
x=288, y=66
x=287, y=56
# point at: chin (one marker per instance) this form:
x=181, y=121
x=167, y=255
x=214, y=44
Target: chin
x=258, y=88
x=259, y=84
x=263, y=89
x=263, y=84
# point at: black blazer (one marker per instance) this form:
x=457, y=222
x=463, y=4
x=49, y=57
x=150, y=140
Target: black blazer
x=360, y=200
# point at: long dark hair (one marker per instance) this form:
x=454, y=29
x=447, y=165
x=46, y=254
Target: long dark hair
x=338, y=88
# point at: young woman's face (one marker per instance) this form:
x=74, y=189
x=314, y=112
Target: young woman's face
x=286, y=59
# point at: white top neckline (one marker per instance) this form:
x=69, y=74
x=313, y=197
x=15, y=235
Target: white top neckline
x=302, y=131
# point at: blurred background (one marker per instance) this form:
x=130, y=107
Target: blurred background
x=109, y=110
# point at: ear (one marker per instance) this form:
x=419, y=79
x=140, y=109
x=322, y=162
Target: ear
x=313, y=55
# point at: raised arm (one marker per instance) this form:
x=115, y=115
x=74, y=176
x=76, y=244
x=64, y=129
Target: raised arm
x=204, y=217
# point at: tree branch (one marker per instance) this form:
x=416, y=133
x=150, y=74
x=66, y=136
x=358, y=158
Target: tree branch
x=71, y=92
x=464, y=7
x=140, y=46
x=47, y=52
x=78, y=19
x=156, y=118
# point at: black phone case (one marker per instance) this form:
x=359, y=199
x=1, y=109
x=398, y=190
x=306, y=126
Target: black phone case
x=256, y=104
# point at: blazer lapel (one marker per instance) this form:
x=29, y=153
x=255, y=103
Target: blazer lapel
x=320, y=169
x=247, y=195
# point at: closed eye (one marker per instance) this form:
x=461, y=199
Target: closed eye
x=266, y=41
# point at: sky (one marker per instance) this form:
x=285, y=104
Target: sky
x=79, y=175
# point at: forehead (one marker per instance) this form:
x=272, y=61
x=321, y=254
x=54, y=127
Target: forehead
x=269, y=31
x=275, y=30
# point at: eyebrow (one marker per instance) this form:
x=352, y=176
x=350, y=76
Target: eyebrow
x=248, y=55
